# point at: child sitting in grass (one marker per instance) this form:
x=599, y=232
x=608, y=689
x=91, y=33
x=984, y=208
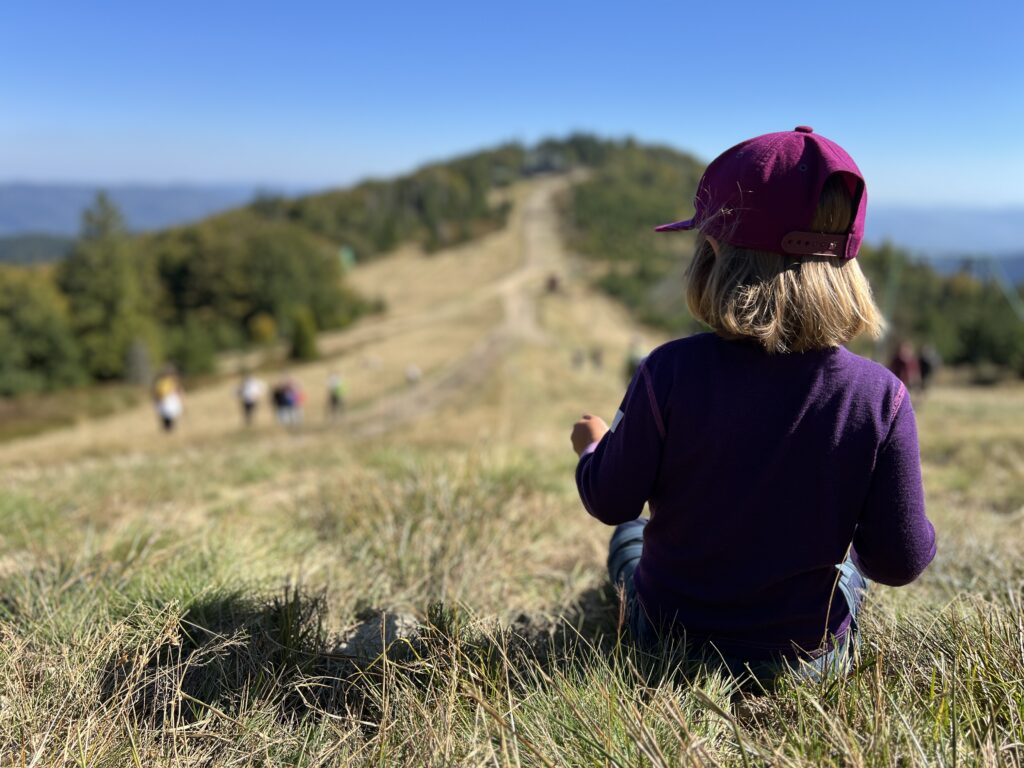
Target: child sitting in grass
x=780, y=468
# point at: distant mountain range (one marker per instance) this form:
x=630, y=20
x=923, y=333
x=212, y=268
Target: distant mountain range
x=1008, y=267
x=952, y=238
x=34, y=249
x=56, y=209
x=948, y=230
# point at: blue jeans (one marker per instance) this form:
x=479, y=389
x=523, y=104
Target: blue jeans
x=624, y=552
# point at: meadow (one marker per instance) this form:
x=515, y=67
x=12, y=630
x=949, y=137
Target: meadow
x=418, y=584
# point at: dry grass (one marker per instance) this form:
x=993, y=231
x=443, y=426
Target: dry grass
x=190, y=602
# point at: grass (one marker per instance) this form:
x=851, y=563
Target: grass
x=194, y=601
x=32, y=414
x=151, y=623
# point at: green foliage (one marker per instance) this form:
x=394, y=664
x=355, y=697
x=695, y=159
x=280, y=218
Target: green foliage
x=635, y=188
x=303, y=343
x=262, y=328
x=103, y=220
x=437, y=206
x=39, y=350
x=109, y=292
x=228, y=272
x=580, y=149
x=968, y=320
x=190, y=347
x=612, y=216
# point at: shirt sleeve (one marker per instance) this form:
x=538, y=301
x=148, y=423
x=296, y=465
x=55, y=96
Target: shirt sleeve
x=895, y=541
x=616, y=475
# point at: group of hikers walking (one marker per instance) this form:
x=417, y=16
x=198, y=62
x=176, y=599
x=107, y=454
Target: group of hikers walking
x=288, y=398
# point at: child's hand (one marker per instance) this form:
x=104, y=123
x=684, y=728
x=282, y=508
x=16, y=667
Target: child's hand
x=587, y=430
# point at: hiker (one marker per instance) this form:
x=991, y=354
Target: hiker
x=250, y=390
x=336, y=391
x=781, y=470
x=295, y=399
x=287, y=397
x=279, y=399
x=168, y=397
x=928, y=363
x=904, y=365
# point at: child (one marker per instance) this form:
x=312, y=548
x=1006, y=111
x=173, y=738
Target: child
x=765, y=449
x=168, y=398
x=250, y=391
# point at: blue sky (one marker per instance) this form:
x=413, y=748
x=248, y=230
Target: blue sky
x=927, y=96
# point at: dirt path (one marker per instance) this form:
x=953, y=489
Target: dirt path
x=540, y=255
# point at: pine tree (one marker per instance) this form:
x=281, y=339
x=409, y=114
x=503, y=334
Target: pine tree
x=103, y=282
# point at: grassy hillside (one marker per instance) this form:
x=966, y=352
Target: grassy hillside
x=612, y=216
x=119, y=306
x=219, y=597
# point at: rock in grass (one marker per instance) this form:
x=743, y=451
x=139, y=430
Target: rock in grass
x=378, y=633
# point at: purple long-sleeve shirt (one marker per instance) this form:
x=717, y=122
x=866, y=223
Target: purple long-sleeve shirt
x=760, y=470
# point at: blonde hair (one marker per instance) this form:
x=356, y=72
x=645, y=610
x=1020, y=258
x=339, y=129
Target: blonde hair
x=785, y=303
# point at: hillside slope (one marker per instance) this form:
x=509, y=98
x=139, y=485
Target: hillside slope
x=456, y=312
x=220, y=595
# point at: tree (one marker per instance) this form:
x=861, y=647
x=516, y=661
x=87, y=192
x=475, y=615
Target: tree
x=39, y=350
x=191, y=348
x=303, y=335
x=262, y=329
x=105, y=287
x=103, y=220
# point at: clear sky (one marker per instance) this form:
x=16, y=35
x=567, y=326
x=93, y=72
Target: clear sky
x=927, y=96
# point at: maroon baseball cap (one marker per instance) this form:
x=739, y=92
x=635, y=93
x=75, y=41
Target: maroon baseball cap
x=763, y=193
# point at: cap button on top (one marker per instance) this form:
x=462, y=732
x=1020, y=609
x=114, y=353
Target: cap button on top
x=804, y=129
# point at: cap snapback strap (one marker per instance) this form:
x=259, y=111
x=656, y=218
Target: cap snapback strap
x=815, y=244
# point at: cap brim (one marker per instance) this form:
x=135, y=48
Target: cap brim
x=676, y=226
